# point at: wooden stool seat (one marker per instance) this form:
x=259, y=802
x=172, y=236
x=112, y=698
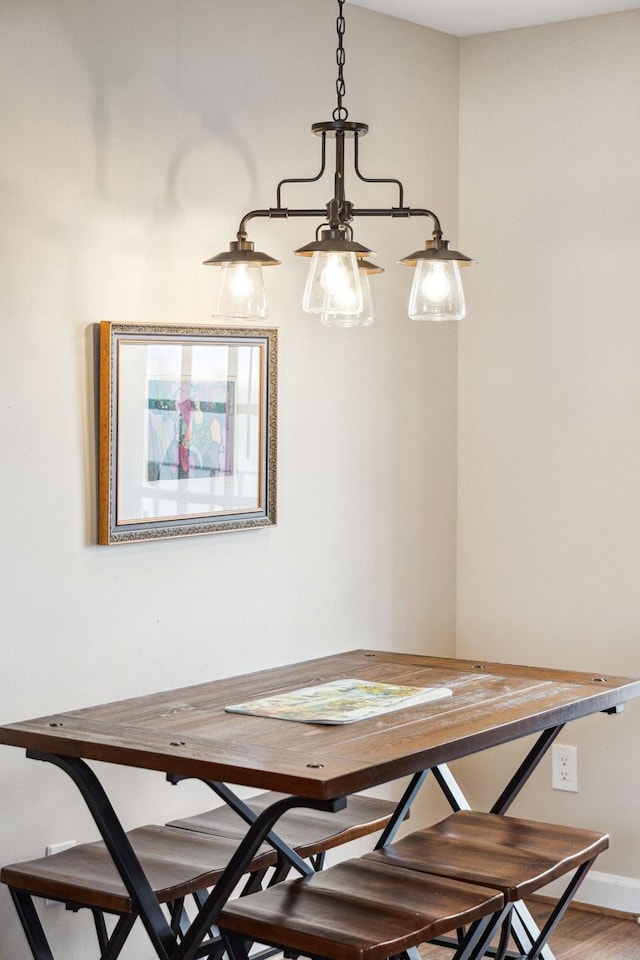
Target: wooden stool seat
x=309, y=832
x=356, y=910
x=514, y=856
x=177, y=863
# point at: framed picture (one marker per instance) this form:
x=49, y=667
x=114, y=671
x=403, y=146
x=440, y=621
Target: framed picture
x=188, y=430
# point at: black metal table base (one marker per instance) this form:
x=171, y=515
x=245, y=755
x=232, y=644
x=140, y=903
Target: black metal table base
x=175, y=937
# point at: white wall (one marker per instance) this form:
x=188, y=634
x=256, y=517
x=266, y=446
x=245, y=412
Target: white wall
x=549, y=385
x=134, y=135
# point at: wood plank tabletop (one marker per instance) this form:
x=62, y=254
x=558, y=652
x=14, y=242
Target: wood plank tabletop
x=187, y=731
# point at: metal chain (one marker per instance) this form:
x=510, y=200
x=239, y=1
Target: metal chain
x=340, y=112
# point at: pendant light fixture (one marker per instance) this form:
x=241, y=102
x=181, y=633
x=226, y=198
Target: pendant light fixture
x=337, y=287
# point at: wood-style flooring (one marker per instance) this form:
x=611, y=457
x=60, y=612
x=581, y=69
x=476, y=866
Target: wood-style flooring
x=581, y=935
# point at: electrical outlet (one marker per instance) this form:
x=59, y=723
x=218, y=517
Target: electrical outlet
x=564, y=767
x=48, y=852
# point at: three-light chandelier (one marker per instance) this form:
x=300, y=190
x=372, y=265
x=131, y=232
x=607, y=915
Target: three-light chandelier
x=337, y=287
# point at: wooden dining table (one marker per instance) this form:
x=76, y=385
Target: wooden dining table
x=187, y=733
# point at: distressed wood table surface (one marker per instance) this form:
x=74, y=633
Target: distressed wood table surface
x=187, y=731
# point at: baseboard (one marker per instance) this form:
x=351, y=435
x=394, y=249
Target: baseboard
x=604, y=890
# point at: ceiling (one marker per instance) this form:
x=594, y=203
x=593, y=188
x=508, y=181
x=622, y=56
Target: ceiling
x=466, y=17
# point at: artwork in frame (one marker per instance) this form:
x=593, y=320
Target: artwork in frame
x=188, y=430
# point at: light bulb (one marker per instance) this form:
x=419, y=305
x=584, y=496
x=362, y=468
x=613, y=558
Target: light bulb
x=362, y=319
x=240, y=282
x=437, y=292
x=334, y=280
x=241, y=294
x=436, y=286
x=333, y=285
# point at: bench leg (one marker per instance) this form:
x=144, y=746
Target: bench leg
x=519, y=925
x=235, y=945
x=479, y=935
x=31, y=925
x=118, y=938
x=101, y=928
x=110, y=946
x=505, y=936
x=558, y=911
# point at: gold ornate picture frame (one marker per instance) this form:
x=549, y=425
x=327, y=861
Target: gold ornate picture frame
x=188, y=430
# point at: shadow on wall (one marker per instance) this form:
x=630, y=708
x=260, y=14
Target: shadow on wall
x=174, y=77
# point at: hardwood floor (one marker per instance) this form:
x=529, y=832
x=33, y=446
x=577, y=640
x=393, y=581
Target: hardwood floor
x=581, y=935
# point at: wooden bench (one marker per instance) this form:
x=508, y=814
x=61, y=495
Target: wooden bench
x=346, y=913
x=517, y=857
x=177, y=863
x=311, y=833
x=185, y=857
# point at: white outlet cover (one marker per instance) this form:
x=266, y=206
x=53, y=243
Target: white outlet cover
x=564, y=767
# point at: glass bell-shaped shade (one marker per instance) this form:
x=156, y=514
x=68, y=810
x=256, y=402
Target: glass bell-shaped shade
x=437, y=292
x=333, y=284
x=362, y=319
x=241, y=293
